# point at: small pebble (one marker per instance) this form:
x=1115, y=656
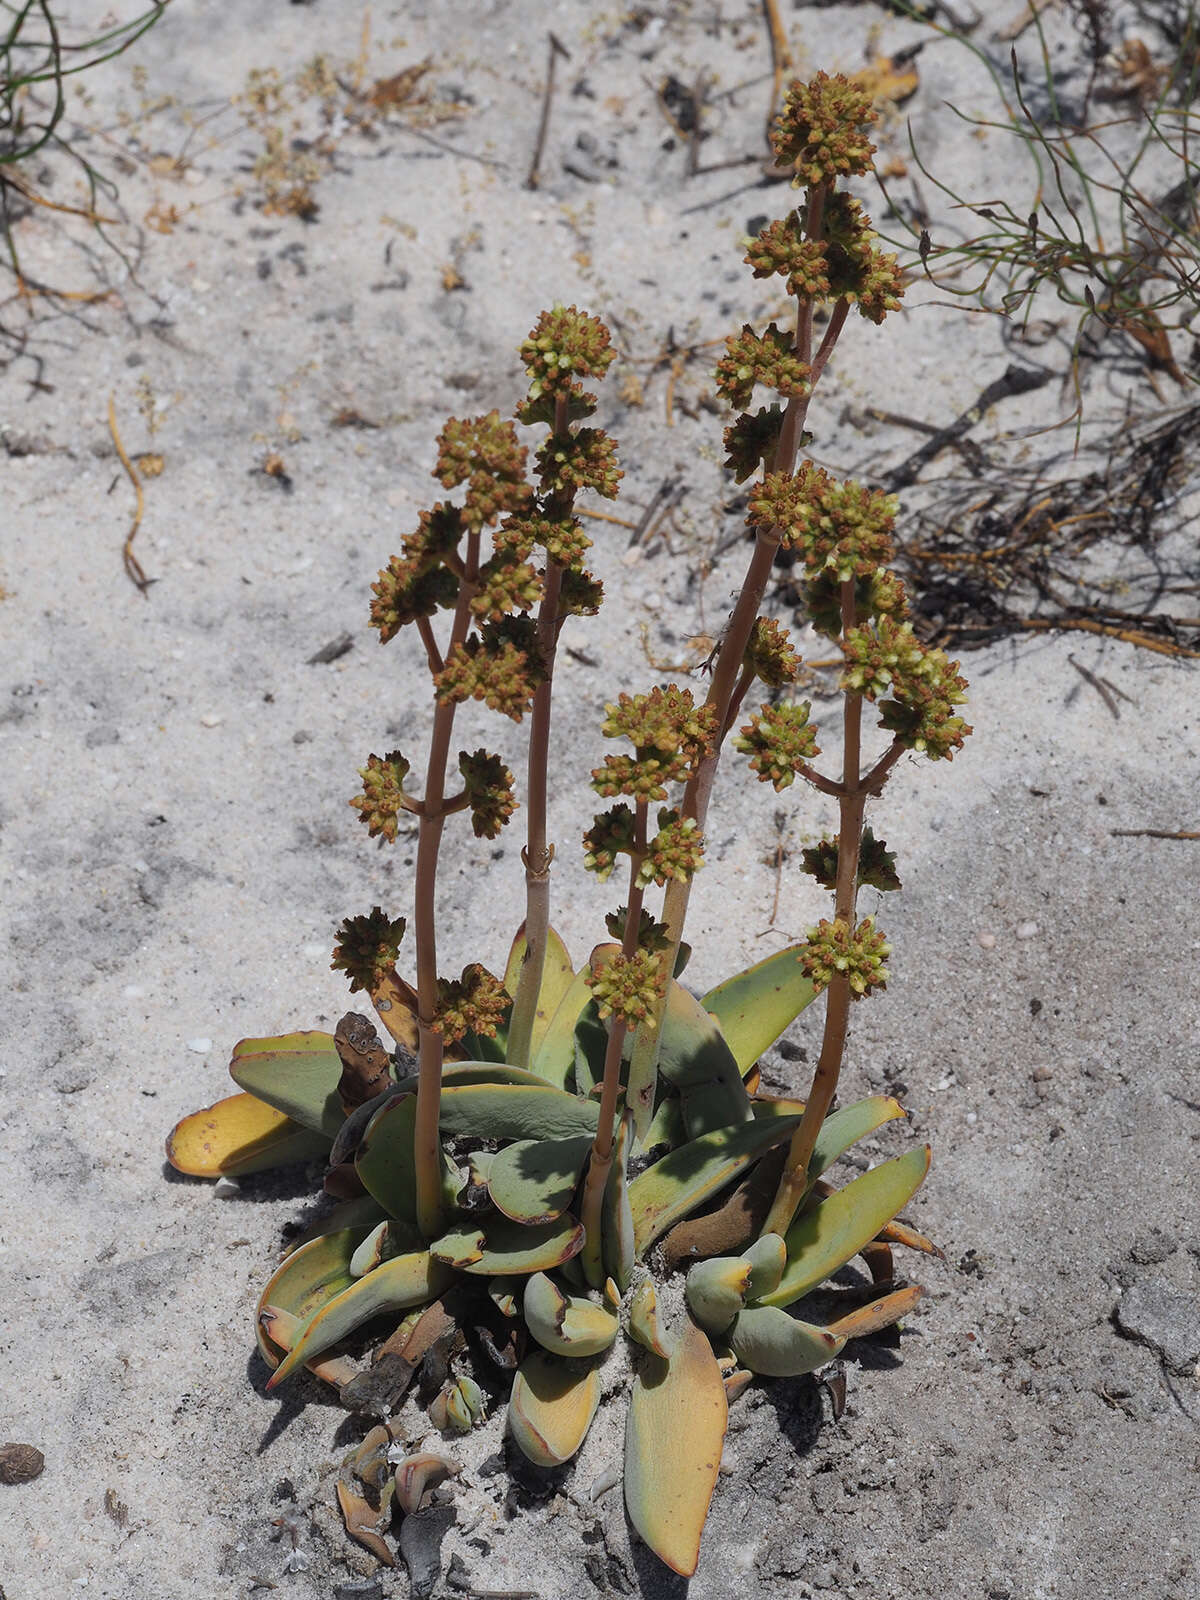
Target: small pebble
x=986, y=940
x=972, y=1118
x=133, y=991
x=211, y=720
x=200, y=1046
x=20, y=1463
x=1041, y=1074
x=1026, y=930
x=226, y=1188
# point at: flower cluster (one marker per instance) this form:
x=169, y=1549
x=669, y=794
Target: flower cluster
x=489, y=791
x=781, y=250
x=565, y=345
x=611, y=834
x=417, y=583
x=780, y=741
x=844, y=528
x=671, y=735
x=505, y=586
x=876, y=863
x=628, y=987
x=367, y=948
x=770, y=654
x=383, y=797
x=858, y=269
x=483, y=453
x=500, y=666
x=819, y=132
x=880, y=595
x=676, y=851
x=835, y=950
x=768, y=358
x=474, y=1003
x=585, y=459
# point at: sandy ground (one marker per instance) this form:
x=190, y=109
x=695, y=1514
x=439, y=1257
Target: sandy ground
x=176, y=848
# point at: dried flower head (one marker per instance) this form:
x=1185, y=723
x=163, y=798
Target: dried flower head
x=611, y=834
x=417, y=583
x=752, y=441
x=367, y=948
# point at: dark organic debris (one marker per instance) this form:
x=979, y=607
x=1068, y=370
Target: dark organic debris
x=21, y=1463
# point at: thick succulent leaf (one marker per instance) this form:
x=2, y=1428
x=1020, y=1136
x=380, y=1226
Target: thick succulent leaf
x=551, y=1408
x=515, y=1247
x=307, y=1279
x=696, y=1060
x=487, y=1046
x=770, y=1342
x=533, y=1180
x=408, y=1280
x=841, y=1129
x=566, y=1325
x=461, y=1247
x=755, y=1006
x=554, y=1058
x=386, y=1164
x=673, y=1438
x=766, y=1257
x=824, y=1238
x=237, y=1136
x=283, y=1329
x=591, y=1045
x=364, y=1523
x=396, y=1003
x=666, y=1126
x=643, y=1319
x=617, y=1214
x=515, y=1111
x=298, y=1074
x=361, y=1213
x=460, y=1074
x=558, y=975
x=716, y=1291
x=688, y=1176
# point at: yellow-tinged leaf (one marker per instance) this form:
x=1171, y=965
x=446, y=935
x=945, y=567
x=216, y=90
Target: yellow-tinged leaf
x=887, y=83
x=673, y=1440
x=237, y=1136
x=551, y=1408
x=557, y=977
x=306, y=1280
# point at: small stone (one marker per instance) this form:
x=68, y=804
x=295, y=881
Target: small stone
x=972, y=1118
x=21, y=1463
x=985, y=940
x=1027, y=930
x=200, y=1046
x=1153, y=1246
x=1166, y=1319
x=1041, y=1074
x=226, y=1188
x=211, y=720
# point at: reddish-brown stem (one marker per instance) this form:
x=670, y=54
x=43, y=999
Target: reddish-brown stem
x=427, y=1151
x=538, y=853
x=875, y=779
x=794, y=1183
x=733, y=648
x=432, y=654
x=600, y=1161
x=836, y=323
x=740, y=691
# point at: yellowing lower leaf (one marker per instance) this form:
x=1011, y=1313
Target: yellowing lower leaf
x=673, y=1441
x=237, y=1136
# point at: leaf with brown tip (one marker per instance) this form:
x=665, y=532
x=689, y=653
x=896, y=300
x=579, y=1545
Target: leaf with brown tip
x=673, y=1438
x=364, y=1524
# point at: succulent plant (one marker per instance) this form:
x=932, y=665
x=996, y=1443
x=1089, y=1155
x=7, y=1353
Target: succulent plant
x=538, y=1162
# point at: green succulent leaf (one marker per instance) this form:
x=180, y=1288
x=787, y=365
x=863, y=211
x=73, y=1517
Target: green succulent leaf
x=408, y=1280
x=361, y=1213
x=566, y=1325
x=841, y=1129
x=460, y=1248
x=514, y=1111
x=533, y=1180
x=770, y=1342
x=386, y=1164
x=554, y=1057
x=716, y=1291
x=297, y=1073
x=826, y=1236
x=643, y=1320
x=551, y=1408
x=755, y=1006
x=697, y=1061
x=766, y=1258
x=693, y=1173
x=617, y=1215
x=515, y=1247
x=673, y=1438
